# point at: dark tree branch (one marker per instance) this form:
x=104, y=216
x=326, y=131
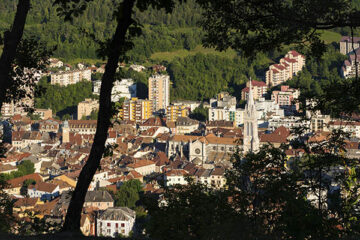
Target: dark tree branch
x=12, y=39
x=117, y=46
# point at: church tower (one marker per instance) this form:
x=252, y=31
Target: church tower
x=251, y=136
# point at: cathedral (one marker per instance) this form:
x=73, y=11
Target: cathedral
x=251, y=136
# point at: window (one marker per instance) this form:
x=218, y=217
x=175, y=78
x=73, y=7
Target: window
x=108, y=224
x=116, y=225
x=123, y=225
x=123, y=231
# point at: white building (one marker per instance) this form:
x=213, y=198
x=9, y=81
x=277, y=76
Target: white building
x=125, y=88
x=175, y=176
x=70, y=77
x=115, y=221
x=290, y=122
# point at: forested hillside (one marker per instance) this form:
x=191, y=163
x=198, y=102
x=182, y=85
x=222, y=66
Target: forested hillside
x=162, y=32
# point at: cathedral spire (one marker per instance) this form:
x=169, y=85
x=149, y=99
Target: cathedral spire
x=251, y=137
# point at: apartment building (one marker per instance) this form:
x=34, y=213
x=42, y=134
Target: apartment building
x=82, y=126
x=124, y=88
x=70, y=77
x=289, y=65
x=43, y=113
x=173, y=112
x=137, y=110
x=259, y=89
x=346, y=44
x=348, y=70
x=285, y=97
x=159, y=91
x=87, y=106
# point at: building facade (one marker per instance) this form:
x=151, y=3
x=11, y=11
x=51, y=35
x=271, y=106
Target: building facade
x=286, y=97
x=290, y=65
x=70, y=77
x=159, y=91
x=173, y=112
x=259, y=89
x=137, y=110
x=346, y=44
x=251, y=135
x=87, y=106
x=124, y=88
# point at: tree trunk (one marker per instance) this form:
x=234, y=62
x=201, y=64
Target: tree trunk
x=73, y=216
x=12, y=39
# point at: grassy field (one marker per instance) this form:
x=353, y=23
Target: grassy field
x=168, y=56
x=329, y=36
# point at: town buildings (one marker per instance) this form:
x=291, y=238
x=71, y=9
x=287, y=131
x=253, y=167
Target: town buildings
x=70, y=77
x=159, y=91
x=290, y=65
x=43, y=113
x=348, y=69
x=86, y=107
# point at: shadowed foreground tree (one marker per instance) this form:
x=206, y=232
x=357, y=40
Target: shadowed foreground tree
x=11, y=40
x=114, y=50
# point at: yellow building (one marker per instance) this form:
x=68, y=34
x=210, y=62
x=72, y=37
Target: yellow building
x=137, y=110
x=175, y=111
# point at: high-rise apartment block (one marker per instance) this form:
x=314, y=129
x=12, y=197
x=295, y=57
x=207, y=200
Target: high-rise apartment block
x=87, y=106
x=346, y=44
x=258, y=89
x=159, y=91
x=70, y=77
x=137, y=110
x=288, y=66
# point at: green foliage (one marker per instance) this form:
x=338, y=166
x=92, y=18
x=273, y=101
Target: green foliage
x=62, y=100
x=201, y=77
x=33, y=116
x=194, y=212
x=162, y=31
x=6, y=214
x=128, y=194
x=200, y=113
x=253, y=26
x=24, y=168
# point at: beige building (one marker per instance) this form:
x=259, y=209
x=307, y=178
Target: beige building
x=70, y=77
x=346, y=44
x=286, y=97
x=159, y=91
x=82, y=126
x=144, y=167
x=87, y=106
x=137, y=110
x=290, y=65
x=259, y=89
x=99, y=199
x=43, y=113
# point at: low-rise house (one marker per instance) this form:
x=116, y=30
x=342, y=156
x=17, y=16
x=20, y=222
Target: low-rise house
x=25, y=204
x=43, y=113
x=144, y=167
x=7, y=168
x=15, y=184
x=185, y=125
x=49, y=125
x=99, y=199
x=175, y=176
x=45, y=191
x=115, y=221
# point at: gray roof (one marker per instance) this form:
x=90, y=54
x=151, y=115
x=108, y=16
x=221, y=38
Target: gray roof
x=98, y=196
x=118, y=213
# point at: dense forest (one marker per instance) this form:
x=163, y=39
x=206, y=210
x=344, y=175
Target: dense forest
x=161, y=31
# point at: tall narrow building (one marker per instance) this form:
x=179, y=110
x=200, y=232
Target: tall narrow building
x=251, y=136
x=159, y=91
